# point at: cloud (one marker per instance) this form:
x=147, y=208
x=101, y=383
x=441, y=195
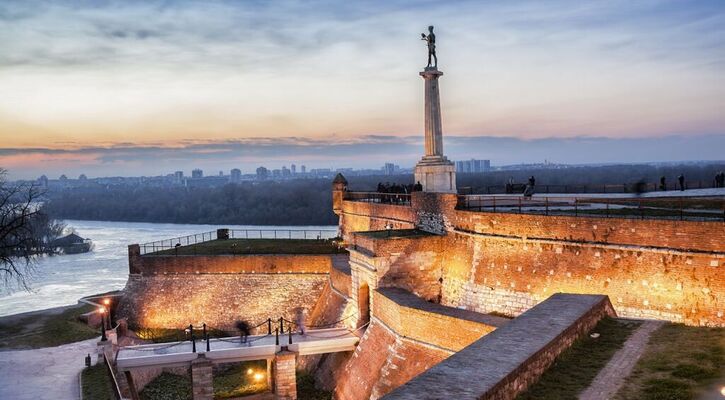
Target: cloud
x=361, y=152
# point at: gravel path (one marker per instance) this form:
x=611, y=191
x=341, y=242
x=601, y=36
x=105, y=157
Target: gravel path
x=49, y=373
x=611, y=377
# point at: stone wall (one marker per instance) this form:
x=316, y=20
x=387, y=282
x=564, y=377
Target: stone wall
x=406, y=336
x=663, y=269
x=510, y=275
x=360, y=216
x=173, y=292
x=233, y=264
x=503, y=364
x=383, y=361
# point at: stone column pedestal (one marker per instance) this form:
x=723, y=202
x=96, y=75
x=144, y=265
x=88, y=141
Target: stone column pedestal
x=201, y=379
x=285, y=381
x=434, y=171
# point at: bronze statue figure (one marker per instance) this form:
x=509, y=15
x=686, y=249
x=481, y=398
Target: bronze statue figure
x=430, y=38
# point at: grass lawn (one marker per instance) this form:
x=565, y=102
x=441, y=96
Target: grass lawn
x=306, y=388
x=679, y=363
x=575, y=368
x=257, y=246
x=240, y=379
x=96, y=383
x=45, y=329
x=168, y=387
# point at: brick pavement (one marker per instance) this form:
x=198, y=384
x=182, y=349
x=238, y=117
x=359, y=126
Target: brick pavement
x=612, y=376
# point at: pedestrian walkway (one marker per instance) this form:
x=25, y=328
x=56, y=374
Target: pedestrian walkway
x=49, y=373
x=606, y=384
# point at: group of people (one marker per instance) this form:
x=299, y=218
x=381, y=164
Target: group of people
x=720, y=180
x=387, y=187
x=680, y=181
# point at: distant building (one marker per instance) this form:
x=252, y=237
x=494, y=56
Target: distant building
x=286, y=172
x=262, y=173
x=197, y=174
x=293, y=168
x=473, y=166
x=390, y=169
x=179, y=177
x=303, y=169
x=276, y=173
x=43, y=181
x=235, y=175
x=221, y=173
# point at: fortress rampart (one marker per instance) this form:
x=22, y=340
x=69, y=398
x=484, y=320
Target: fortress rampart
x=173, y=291
x=507, y=263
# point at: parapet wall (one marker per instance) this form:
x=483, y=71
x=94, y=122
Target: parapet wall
x=503, y=364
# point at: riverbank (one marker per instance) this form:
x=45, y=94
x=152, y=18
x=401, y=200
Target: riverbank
x=45, y=328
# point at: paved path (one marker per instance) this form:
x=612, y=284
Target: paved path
x=611, y=377
x=49, y=373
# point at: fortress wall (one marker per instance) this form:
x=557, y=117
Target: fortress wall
x=416, y=319
x=702, y=236
x=411, y=263
x=383, y=361
x=232, y=264
x=511, y=275
x=663, y=269
x=358, y=216
x=217, y=299
x=406, y=336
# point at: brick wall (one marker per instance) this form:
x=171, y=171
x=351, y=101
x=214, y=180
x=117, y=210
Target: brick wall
x=177, y=300
x=705, y=236
x=232, y=264
x=381, y=362
x=488, y=274
x=503, y=364
x=411, y=317
x=661, y=269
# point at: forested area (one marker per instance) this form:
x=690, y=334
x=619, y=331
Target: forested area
x=308, y=201
x=296, y=202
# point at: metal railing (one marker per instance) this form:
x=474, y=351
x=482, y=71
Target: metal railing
x=306, y=234
x=188, y=240
x=176, y=246
x=678, y=208
x=399, y=199
x=584, y=188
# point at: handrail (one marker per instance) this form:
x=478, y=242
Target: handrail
x=298, y=234
x=631, y=187
x=680, y=208
x=401, y=199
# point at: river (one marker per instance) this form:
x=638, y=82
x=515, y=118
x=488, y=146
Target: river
x=63, y=279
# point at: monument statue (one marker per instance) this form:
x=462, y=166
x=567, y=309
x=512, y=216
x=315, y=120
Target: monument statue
x=434, y=171
x=430, y=38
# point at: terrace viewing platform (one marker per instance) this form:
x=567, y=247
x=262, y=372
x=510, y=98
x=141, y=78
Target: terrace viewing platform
x=247, y=241
x=692, y=205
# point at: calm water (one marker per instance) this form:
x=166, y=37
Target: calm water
x=62, y=280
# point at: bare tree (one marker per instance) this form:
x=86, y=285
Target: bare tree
x=26, y=232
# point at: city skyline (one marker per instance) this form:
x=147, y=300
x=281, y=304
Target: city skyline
x=133, y=86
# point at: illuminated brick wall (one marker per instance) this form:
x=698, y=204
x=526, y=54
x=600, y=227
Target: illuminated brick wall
x=173, y=292
x=663, y=269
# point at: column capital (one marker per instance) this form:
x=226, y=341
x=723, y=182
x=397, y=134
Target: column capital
x=430, y=73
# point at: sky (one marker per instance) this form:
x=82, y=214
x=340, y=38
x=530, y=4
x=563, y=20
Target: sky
x=142, y=87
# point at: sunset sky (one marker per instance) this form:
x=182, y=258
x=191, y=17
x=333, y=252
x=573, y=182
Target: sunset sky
x=130, y=88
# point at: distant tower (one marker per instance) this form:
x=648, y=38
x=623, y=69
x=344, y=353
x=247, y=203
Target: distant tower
x=303, y=169
x=235, y=175
x=178, y=177
x=293, y=168
x=197, y=174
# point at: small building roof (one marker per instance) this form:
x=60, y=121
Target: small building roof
x=339, y=179
x=68, y=240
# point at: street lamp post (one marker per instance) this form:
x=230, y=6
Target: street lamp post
x=102, y=311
